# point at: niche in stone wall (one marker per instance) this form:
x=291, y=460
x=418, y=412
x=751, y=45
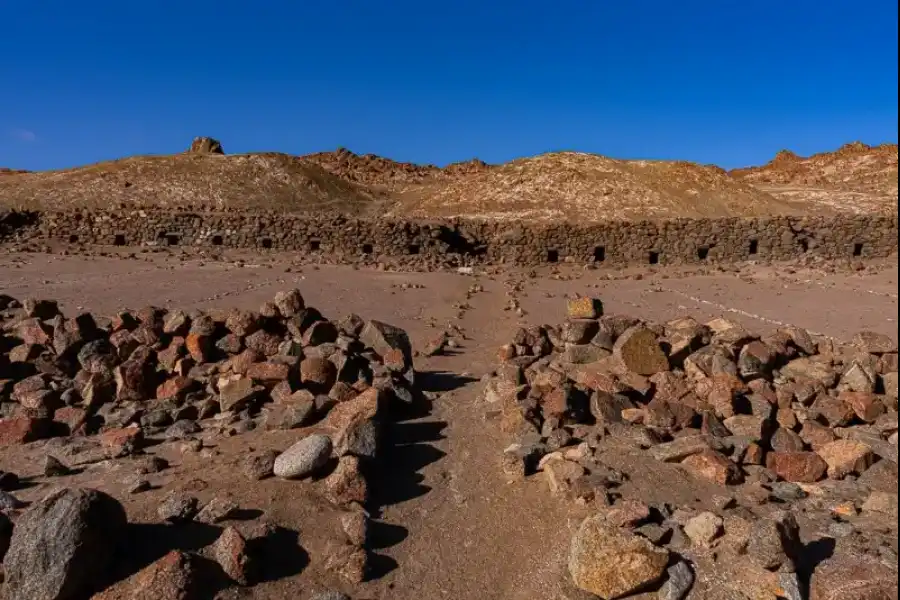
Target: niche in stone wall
x=600, y=254
x=414, y=249
x=858, y=249
x=368, y=249
x=266, y=243
x=73, y=239
x=217, y=240
x=552, y=256
x=804, y=244
x=172, y=239
x=653, y=257
x=754, y=247
x=315, y=245
x=703, y=252
x=119, y=239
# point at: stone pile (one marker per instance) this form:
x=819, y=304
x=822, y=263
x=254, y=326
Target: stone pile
x=794, y=433
x=116, y=385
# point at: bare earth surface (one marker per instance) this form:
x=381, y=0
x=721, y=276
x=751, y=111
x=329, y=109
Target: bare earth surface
x=451, y=527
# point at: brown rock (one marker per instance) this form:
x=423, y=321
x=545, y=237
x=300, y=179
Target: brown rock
x=584, y=308
x=175, y=387
x=846, y=457
x=199, y=346
x=346, y=484
x=850, y=577
x=785, y=440
x=230, y=551
x=797, y=467
x=874, y=343
x=817, y=435
x=289, y=303
x=639, y=350
x=122, y=442
x=263, y=342
x=73, y=418
x=269, y=372
x=21, y=430
x=173, y=577
x=236, y=392
x=562, y=474
x=318, y=373
x=713, y=466
x=134, y=377
x=832, y=411
x=867, y=406
x=347, y=561
x=612, y=563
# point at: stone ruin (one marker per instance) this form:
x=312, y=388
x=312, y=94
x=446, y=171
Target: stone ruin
x=788, y=428
x=106, y=388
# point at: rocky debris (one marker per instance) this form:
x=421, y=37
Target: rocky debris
x=62, y=547
x=230, y=551
x=178, y=507
x=783, y=424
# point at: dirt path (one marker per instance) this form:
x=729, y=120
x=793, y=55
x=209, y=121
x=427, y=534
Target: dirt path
x=451, y=526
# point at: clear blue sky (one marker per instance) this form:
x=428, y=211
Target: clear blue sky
x=716, y=81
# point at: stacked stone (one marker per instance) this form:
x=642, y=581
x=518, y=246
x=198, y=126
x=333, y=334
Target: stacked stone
x=786, y=419
x=157, y=374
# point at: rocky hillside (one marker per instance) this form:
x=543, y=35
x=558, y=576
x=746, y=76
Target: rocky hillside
x=569, y=186
x=855, y=178
x=587, y=187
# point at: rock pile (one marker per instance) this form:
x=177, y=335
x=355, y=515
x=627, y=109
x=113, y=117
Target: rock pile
x=116, y=385
x=789, y=437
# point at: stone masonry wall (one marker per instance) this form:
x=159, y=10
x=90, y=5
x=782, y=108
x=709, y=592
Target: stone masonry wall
x=682, y=241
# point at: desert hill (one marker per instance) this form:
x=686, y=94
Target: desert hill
x=855, y=178
x=195, y=181
x=555, y=186
x=588, y=187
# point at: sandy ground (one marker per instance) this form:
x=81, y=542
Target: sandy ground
x=450, y=525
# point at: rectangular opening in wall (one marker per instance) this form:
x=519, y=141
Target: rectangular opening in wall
x=73, y=239
x=653, y=258
x=315, y=245
x=858, y=249
x=266, y=243
x=552, y=256
x=804, y=245
x=217, y=240
x=703, y=252
x=600, y=254
x=119, y=240
x=368, y=249
x=161, y=235
x=754, y=247
x=172, y=239
x=414, y=249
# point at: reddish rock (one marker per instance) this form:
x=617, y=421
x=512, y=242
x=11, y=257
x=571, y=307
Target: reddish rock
x=230, y=344
x=347, y=561
x=122, y=442
x=713, y=466
x=199, y=347
x=34, y=331
x=851, y=577
x=242, y=323
x=134, y=377
x=797, y=467
x=318, y=373
x=785, y=441
x=867, y=406
x=816, y=435
x=269, y=371
x=263, y=342
x=230, y=551
x=289, y=303
x=175, y=387
x=832, y=411
x=21, y=430
x=584, y=308
x=173, y=577
x=346, y=484
x=73, y=418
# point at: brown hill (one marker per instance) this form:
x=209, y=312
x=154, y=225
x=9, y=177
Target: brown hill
x=197, y=181
x=587, y=187
x=7, y=171
x=855, y=178
x=382, y=173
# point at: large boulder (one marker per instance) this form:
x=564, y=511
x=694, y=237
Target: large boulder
x=62, y=547
x=205, y=145
x=612, y=563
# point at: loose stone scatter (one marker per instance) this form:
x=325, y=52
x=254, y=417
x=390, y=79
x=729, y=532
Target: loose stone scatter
x=742, y=446
x=106, y=390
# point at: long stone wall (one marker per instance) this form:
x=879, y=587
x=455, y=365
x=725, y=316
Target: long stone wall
x=682, y=241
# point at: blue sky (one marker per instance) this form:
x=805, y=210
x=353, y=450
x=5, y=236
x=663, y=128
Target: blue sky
x=721, y=81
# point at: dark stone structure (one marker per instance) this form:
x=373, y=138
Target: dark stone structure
x=681, y=241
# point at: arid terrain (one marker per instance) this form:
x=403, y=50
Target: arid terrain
x=568, y=186
x=204, y=422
